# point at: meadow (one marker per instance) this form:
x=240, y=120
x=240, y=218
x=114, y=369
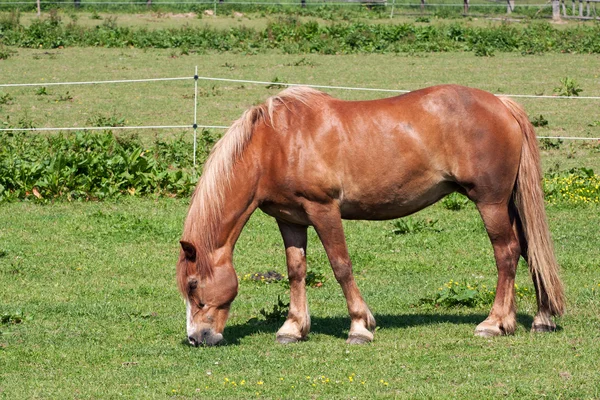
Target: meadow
x=88, y=302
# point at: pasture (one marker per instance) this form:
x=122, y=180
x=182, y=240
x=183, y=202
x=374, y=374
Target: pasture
x=88, y=299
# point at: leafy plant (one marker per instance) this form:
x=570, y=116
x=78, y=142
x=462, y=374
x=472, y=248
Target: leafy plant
x=264, y=277
x=91, y=166
x=455, y=201
x=275, y=85
x=5, y=52
x=484, y=50
x=315, y=277
x=539, y=121
x=463, y=294
x=576, y=186
x=278, y=312
x=568, y=87
x=551, y=144
x=409, y=225
x=100, y=120
x=41, y=91
x=15, y=318
x=6, y=99
x=65, y=97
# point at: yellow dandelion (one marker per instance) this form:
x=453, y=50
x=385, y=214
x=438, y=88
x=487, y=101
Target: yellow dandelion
x=259, y=382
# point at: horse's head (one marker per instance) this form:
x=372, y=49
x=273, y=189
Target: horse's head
x=208, y=291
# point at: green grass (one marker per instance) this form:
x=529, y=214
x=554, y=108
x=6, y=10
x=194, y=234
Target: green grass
x=166, y=103
x=95, y=283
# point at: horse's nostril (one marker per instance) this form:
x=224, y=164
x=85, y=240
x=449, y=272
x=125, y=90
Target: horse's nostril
x=193, y=341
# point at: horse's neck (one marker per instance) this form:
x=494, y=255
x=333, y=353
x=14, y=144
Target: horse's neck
x=238, y=204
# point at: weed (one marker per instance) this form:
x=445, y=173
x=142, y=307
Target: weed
x=101, y=120
x=594, y=123
x=264, y=277
x=577, y=186
x=409, y=226
x=91, y=166
x=95, y=15
x=455, y=201
x=6, y=99
x=568, y=87
x=212, y=91
x=65, y=97
x=457, y=294
x=5, y=52
x=315, y=278
x=15, y=318
x=278, y=312
x=551, y=144
x=275, y=84
x=303, y=62
x=41, y=91
x=539, y=122
x=484, y=50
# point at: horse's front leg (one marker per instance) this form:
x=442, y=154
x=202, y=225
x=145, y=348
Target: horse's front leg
x=327, y=221
x=297, y=324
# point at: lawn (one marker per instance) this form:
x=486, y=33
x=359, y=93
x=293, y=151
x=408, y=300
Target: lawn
x=102, y=317
x=219, y=103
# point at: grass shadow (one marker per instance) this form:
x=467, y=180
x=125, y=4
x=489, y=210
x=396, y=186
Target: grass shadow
x=338, y=326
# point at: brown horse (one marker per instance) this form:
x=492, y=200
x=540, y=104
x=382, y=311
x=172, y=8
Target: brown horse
x=306, y=158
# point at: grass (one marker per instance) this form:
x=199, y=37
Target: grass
x=171, y=103
x=88, y=289
x=101, y=316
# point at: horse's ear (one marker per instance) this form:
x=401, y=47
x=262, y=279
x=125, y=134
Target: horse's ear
x=188, y=250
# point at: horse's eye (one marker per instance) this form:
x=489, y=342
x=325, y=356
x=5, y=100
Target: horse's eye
x=193, y=285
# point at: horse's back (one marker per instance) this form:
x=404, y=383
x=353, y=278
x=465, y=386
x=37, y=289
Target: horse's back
x=391, y=157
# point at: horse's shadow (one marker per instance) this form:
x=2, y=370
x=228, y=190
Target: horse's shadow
x=338, y=326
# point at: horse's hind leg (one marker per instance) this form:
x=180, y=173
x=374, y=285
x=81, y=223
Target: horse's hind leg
x=327, y=221
x=297, y=324
x=499, y=225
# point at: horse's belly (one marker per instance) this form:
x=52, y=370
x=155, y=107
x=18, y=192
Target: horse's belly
x=394, y=202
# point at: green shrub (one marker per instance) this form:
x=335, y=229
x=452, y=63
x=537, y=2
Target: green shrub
x=90, y=166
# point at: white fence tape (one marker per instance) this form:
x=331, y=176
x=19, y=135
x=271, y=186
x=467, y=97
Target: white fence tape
x=194, y=126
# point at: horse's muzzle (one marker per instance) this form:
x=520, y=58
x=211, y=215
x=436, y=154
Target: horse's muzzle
x=205, y=337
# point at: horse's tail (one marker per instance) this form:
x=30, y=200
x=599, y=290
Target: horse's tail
x=529, y=198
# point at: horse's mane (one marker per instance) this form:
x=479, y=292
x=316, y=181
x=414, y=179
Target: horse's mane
x=202, y=223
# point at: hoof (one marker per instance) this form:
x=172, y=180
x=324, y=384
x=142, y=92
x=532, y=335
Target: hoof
x=487, y=333
x=287, y=339
x=358, y=339
x=542, y=328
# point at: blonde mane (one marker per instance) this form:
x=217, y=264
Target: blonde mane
x=202, y=223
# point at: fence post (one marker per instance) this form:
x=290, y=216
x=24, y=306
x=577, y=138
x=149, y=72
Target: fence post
x=195, y=117
x=392, y=13
x=466, y=7
x=555, y=10
x=422, y=6
x=39, y=8
x=510, y=6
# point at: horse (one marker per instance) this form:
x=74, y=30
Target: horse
x=309, y=159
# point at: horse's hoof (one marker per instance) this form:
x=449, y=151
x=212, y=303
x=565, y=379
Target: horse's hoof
x=287, y=339
x=358, y=339
x=541, y=328
x=487, y=333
